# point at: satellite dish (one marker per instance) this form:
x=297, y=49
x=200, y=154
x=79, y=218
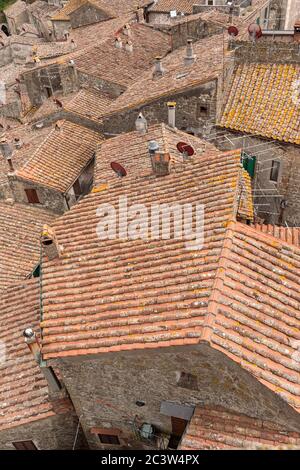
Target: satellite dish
x=255, y=31
x=186, y=149
x=118, y=169
x=233, y=31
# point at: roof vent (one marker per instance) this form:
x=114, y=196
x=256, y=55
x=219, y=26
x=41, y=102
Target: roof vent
x=158, y=68
x=153, y=147
x=141, y=124
x=190, y=56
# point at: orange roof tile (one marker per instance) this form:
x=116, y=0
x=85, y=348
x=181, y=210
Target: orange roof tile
x=20, y=227
x=115, y=295
x=254, y=315
x=216, y=428
x=287, y=234
x=264, y=100
x=90, y=104
x=165, y=6
x=147, y=44
x=61, y=157
x=177, y=77
x=23, y=388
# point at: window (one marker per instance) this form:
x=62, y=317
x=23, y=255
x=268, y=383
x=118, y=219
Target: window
x=188, y=381
x=249, y=163
x=109, y=439
x=32, y=196
x=24, y=445
x=274, y=171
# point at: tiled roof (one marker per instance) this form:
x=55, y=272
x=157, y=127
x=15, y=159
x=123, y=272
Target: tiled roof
x=20, y=227
x=216, y=428
x=112, y=7
x=165, y=6
x=287, y=234
x=255, y=309
x=131, y=151
x=147, y=44
x=115, y=295
x=61, y=157
x=52, y=49
x=15, y=9
x=178, y=77
x=23, y=388
x=89, y=103
x=263, y=100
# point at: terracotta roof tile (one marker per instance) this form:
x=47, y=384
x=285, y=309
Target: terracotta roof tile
x=165, y=6
x=23, y=388
x=216, y=428
x=287, y=234
x=147, y=44
x=20, y=227
x=177, y=77
x=255, y=314
x=61, y=157
x=134, y=293
x=263, y=101
x=90, y=104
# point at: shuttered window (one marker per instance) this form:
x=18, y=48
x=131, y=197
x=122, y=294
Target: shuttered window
x=249, y=162
x=32, y=196
x=24, y=445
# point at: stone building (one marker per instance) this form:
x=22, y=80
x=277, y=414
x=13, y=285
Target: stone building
x=60, y=171
x=36, y=412
x=260, y=103
x=145, y=332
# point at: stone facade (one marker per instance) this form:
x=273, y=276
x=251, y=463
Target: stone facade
x=194, y=109
x=106, y=390
x=87, y=14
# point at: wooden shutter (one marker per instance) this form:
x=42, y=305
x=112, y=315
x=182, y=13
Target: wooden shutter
x=24, y=445
x=32, y=196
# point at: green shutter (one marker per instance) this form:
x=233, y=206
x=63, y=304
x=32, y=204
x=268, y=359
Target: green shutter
x=249, y=163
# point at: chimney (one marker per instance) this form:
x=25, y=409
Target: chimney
x=160, y=163
x=141, y=125
x=5, y=148
x=158, y=69
x=190, y=56
x=171, y=113
x=139, y=14
x=10, y=164
x=50, y=244
x=297, y=31
x=127, y=30
x=129, y=46
x=34, y=346
x=118, y=43
x=18, y=143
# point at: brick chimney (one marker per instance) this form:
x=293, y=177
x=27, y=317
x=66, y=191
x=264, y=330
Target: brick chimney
x=50, y=244
x=297, y=31
x=160, y=161
x=171, y=113
x=190, y=56
x=158, y=68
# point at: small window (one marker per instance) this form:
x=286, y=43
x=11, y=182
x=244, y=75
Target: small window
x=274, y=171
x=109, y=439
x=188, y=381
x=32, y=196
x=24, y=445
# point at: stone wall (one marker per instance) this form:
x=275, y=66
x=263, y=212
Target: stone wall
x=53, y=433
x=49, y=198
x=60, y=28
x=91, y=81
x=105, y=390
x=194, y=109
x=87, y=14
x=261, y=52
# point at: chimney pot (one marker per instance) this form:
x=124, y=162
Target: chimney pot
x=158, y=69
x=141, y=124
x=297, y=31
x=153, y=147
x=190, y=56
x=171, y=113
x=129, y=46
x=118, y=43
